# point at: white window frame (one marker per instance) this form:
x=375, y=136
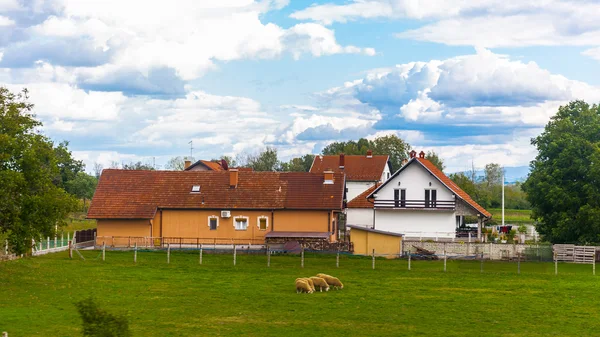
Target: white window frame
x=240, y=217
x=213, y=217
x=258, y=222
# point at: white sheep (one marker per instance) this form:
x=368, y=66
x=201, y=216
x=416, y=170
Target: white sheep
x=332, y=281
x=309, y=281
x=320, y=283
x=303, y=287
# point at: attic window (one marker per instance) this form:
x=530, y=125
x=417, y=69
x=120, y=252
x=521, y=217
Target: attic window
x=196, y=189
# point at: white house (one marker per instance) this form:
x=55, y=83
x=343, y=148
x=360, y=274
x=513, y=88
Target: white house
x=418, y=200
x=362, y=172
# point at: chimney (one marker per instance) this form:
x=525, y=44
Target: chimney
x=342, y=160
x=404, y=161
x=369, y=154
x=224, y=164
x=187, y=164
x=328, y=176
x=233, y=178
x=421, y=154
x=413, y=154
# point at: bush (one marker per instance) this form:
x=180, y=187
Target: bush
x=99, y=323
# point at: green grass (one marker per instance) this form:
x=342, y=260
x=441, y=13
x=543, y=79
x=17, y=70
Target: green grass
x=184, y=298
x=518, y=216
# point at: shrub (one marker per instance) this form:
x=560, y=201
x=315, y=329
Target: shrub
x=99, y=323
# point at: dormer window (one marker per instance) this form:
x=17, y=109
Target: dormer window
x=196, y=189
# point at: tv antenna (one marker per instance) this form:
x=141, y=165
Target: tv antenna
x=191, y=149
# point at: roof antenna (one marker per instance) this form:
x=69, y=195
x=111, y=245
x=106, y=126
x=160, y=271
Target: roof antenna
x=191, y=149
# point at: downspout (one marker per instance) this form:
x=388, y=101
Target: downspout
x=161, y=224
x=272, y=221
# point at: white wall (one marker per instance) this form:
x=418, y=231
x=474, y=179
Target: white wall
x=357, y=187
x=415, y=179
x=360, y=217
x=416, y=223
x=386, y=173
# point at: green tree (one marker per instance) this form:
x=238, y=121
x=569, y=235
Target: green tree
x=300, y=164
x=138, y=166
x=464, y=182
x=493, y=174
x=390, y=145
x=564, y=184
x=67, y=165
x=435, y=160
x=265, y=160
x=83, y=186
x=177, y=163
x=31, y=203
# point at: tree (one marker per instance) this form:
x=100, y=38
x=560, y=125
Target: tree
x=138, y=166
x=564, y=184
x=435, y=160
x=265, y=160
x=177, y=163
x=31, y=203
x=465, y=183
x=98, y=170
x=300, y=164
x=83, y=186
x=493, y=174
x=393, y=146
x=390, y=145
x=67, y=165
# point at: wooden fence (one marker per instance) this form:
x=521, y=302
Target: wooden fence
x=577, y=254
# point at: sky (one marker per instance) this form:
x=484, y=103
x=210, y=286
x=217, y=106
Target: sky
x=136, y=80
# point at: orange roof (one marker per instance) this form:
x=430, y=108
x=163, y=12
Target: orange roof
x=452, y=186
x=357, y=168
x=360, y=201
x=211, y=165
x=133, y=194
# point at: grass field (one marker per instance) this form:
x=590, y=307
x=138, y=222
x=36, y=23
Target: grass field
x=513, y=216
x=184, y=298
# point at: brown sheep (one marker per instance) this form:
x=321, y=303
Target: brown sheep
x=320, y=283
x=332, y=281
x=309, y=281
x=303, y=287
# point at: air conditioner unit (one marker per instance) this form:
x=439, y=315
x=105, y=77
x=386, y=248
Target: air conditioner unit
x=225, y=214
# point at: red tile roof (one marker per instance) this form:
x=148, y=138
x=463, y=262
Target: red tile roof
x=452, y=186
x=360, y=201
x=211, y=165
x=132, y=194
x=357, y=168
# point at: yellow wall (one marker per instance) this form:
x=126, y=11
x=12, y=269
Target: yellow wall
x=195, y=224
x=365, y=241
x=121, y=228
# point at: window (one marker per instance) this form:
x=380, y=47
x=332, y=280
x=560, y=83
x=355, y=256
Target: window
x=400, y=197
x=241, y=223
x=196, y=189
x=263, y=223
x=388, y=175
x=213, y=222
x=430, y=198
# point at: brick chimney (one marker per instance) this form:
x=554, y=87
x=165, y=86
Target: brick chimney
x=369, y=154
x=187, y=164
x=342, y=160
x=421, y=154
x=233, y=178
x=328, y=176
x=413, y=154
x=404, y=161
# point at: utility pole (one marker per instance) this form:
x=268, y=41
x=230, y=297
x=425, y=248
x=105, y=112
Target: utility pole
x=502, y=195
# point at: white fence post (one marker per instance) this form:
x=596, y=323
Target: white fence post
x=168, y=253
x=103, y=251
x=62, y=239
x=234, y=254
x=373, y=259
x=268, y=256
x=41, y=243
x=69, y=238
x=48, y=243
x=444, y=257
x=337, y=259
x=555, y=264
x=409, y=254
x=135, y=253
x=200, y=253
x=302, y=258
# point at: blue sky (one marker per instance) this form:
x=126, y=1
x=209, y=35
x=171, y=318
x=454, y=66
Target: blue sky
x=136, y=80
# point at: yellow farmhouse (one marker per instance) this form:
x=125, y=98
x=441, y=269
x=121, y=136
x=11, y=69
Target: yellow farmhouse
x=220, y=207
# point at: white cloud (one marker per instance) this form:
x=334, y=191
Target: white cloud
x=593, y=53
x=188, y=38
x=488, y=23
x=6, y=21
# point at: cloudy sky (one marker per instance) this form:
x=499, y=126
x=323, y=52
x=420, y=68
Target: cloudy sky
x=135, y=80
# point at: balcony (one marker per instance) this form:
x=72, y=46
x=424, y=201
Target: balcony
x=416, y=204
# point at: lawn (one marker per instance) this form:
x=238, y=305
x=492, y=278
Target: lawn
x=512, y=216
x=184, y=298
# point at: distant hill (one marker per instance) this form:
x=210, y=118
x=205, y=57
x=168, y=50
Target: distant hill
x=513, y=174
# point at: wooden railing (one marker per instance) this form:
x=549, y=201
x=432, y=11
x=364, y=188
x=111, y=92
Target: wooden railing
x=433, y=204
x=174, y=242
